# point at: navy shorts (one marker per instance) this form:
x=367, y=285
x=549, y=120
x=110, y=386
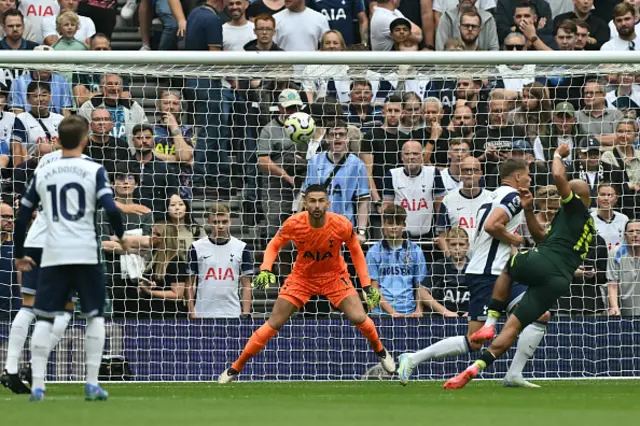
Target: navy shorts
x=88, y=282
x=481, y=290
x=30, y=279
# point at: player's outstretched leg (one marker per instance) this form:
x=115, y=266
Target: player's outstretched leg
x=94, y=346
x=282, y=311
x=352, y=308
x=17, y=337
x=498, y=347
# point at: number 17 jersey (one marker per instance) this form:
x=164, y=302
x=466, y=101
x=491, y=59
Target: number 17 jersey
x=489, y=255
x=69, y=190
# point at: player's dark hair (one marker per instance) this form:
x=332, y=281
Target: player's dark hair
x=360, y=82
x=394, y=214
x=316, y=187
x=72, y=130
x=188, y=220
x=528, y=4
x=567, y=26
x=38, y=85
x=622, y=9
x=141, y=128
x=512, y=165
x=630, y=222
x=582, y=24
x=393, y=99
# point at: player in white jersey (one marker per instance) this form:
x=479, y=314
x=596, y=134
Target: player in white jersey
x=497, y=233
x=459, y=208
x=220, y=267
x=71, y=190
x=11, y=377
x=609, y=223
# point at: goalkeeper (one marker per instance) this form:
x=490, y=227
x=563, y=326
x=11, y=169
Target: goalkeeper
x=319, y=269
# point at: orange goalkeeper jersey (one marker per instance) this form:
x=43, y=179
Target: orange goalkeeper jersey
x=319, y=256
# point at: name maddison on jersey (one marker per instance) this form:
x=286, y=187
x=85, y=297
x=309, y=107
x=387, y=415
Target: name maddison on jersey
x=317, y=256
x=218, y=274
x=79, y=171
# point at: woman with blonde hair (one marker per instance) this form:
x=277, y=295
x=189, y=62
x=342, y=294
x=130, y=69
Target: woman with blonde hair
x=317, y=79
x=163, y=287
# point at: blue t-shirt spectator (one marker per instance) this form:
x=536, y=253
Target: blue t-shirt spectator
x=60, y=93
x=341, y=15
x=204, y=29
x=399, y=272
x=349, y=185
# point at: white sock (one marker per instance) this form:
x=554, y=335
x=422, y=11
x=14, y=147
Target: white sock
x=528, y=342
x=59, y=326
x=490, y=321
x=450, y=346
x=17, y=336
x=40, y=347
x=93, y=347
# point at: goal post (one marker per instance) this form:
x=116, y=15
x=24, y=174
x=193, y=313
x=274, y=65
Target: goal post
x=491, y=105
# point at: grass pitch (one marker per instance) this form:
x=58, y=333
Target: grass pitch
x=565, y=403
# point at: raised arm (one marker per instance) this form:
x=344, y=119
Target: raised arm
x=535, y=227
x=359, y=261
x=559, y=172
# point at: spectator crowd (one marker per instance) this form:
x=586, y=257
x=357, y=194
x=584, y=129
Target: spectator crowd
x=407, y=158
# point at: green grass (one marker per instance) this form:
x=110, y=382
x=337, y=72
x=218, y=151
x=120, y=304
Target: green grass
x=565, y=403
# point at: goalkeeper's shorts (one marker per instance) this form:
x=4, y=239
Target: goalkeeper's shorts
x=299, y=291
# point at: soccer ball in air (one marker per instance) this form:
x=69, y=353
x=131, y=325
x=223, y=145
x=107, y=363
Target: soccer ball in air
x=300, y=127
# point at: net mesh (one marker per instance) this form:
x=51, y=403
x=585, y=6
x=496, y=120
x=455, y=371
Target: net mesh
x=217, y=140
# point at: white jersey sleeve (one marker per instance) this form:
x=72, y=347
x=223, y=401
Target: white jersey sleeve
x=489, y=255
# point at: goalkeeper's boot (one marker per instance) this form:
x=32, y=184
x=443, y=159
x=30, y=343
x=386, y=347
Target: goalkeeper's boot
x=463, y=378
x=229, y=375
x=95, y=393
x=386, y=360
x=517, y=382
x=37, y=395
x=405, y=368
x=486, y=333
x=13, y=383
x=25, y=374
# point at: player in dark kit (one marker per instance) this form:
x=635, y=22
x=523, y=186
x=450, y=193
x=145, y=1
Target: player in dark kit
x=547, y=270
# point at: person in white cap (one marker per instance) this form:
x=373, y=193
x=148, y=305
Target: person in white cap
x=282, y=162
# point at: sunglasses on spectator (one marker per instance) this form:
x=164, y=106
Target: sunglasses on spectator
x=514, y=46
x=7, y=216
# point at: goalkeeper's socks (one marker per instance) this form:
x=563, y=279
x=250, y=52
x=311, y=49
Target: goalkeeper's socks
x=528, y=342
x=93, y=347
x=368, y=330
x=451, y=346
x=40, y=345
x=59, y=326
x=485, y=360
x=257, y=341
x=17, y=336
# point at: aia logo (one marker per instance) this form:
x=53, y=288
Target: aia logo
x=220, y=274
x=414, y=205
x=317, y=256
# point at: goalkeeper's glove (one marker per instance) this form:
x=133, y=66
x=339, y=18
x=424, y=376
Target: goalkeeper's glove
x=372, y=296
x=264, y=280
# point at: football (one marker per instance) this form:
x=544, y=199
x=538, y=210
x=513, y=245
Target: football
x=300, y=127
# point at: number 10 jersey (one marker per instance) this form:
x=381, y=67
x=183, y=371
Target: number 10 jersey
x=69, y=190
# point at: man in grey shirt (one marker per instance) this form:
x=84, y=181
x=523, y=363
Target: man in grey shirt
x=282, y=162
x=623, y=274
x=449, y=27
x=595, y=119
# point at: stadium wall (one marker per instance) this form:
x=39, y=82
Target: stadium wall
x=333, y=350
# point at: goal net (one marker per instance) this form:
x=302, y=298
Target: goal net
x=190, y=137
